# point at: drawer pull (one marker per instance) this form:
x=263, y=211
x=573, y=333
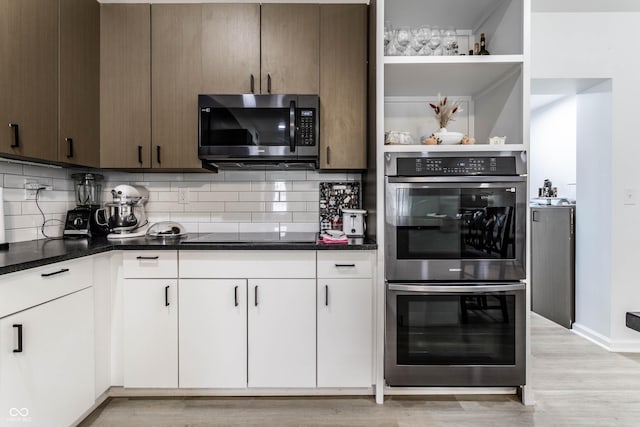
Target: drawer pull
x=62, y=270
x=255, y=296
x=19, y=349
x=147, y=257
x=166, y=296
x=235, y=296
x=16, y=135
x=345, y=265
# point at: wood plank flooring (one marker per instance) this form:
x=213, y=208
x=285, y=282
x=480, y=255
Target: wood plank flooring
x=576, y=383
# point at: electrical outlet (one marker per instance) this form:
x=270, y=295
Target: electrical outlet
x=183, y=195
x=31, y=189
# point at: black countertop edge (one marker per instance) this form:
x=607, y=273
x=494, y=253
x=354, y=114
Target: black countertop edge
x=36, y=253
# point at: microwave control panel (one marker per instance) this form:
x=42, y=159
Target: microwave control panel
x=456, y=166
x=306, y=132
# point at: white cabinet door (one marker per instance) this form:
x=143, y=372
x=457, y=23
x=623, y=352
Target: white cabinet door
x=50, y=382
x=282, y=332
x=345, y=331
x=213, y=333
x=151, y=333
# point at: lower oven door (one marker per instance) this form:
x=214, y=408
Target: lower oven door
x=455, y=334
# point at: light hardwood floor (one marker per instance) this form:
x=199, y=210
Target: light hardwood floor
x=576, y=383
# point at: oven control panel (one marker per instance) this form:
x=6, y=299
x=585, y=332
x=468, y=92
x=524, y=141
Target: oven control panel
x=455, y=166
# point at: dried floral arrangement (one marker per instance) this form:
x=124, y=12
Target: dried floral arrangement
x=445, y=110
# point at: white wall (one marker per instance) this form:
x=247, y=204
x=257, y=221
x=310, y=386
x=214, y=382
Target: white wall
x=599, y=45
x=553, y=147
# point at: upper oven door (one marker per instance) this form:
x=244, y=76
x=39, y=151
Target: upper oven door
x=459, y=229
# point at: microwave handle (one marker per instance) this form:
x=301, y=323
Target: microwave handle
x=456, y=288
x=292, y=126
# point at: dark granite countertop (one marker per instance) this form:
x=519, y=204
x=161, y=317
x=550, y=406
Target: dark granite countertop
x=36, y=253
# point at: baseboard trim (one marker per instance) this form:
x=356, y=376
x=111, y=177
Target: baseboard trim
x=205, y=392
x=591, y=335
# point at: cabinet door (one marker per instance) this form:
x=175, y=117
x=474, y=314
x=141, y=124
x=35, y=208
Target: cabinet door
x=50, y=382
x=345, y=331
x=125, y=95
x=150, y=333
x=213, y=333
x=175, y=81
x=343, y=86
x=79, y=132
x=282, y=333
x=230, y=48
x=290, y=48
x=29, y=78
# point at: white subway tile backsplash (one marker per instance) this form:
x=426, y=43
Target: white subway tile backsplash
x=6, y=166
x=272, y=186
x=299, y=196
x=230, y=186
x=253, y=227
x=305, y=186
x=18, y=181
x=64, y=184
x=244, y=207
x=155, y=177
x=164, y=207
x=300, y=227
x=208, y=176
x=231, y=175
x=318, y=176
x=306, y=217
x=224, y=196
x=207, y=207
x=271, y=217
x=286, y=175
x=259, y=196
x=167, y=196
x=190, y=217
x=30, y=208
x=21, y=234
x=12, y=208
x=43, y=171
x=231, y=217
x=13, y=195
x=191, y=185
x=286, y=207
x=313, y=206
x=22, y=221
x=218, y=228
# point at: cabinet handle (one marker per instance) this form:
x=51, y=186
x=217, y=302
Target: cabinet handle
x=140, y=154
x=147, y=257
x=328, y=155
x=235, y=296
x=158, y=158
x=345, y=265
x=255, y=296
x=268, y=83
x=62, y=270
x=19, y=349
x=166, y=296
x=69, y=147
x=534, y=216
x=16, y=135
x=253, y=86
x=326, y=295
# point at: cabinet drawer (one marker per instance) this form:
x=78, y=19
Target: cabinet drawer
x=19, y=291
x=150, y=264
x=248, y=264
x=338, y=264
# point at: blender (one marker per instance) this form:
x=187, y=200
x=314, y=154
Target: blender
x=80, y=221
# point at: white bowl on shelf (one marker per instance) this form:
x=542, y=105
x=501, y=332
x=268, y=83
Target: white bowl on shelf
x=449, y=138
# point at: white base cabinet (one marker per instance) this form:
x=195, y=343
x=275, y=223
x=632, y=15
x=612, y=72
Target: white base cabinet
x=282, y=333
x=345, y=332
x=151, y=333
x=213, y=333
x=47, y=379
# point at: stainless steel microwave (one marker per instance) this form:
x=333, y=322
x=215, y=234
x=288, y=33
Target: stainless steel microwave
x=258, y=131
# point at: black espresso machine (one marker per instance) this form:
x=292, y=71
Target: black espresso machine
x=81, y=220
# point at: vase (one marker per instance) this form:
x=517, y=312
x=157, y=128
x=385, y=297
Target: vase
x=448, y=138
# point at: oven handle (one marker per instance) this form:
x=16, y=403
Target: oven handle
x=292, y=126
x=445, y=179
x=456, y=288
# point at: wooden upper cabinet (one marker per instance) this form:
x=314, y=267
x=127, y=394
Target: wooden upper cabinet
x=125, y=94
x=79, y=127
x=176, y=79
x=290, y=48
x=230, y=48
x=343, y=86
x=29, y=78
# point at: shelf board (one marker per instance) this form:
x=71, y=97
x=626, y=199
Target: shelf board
x=452, y=148
x=461, y=59
x=454, y=76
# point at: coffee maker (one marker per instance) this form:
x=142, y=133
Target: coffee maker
x=80, y=221
x=125, y=215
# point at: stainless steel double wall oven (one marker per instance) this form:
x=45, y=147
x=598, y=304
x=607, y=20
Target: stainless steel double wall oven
x=455, y=264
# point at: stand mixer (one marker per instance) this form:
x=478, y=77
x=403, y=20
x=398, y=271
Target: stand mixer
x=125, y=216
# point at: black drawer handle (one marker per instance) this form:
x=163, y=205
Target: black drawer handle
x=16, y=135
x=255, y=296
x=345, y=265
x=62, y=270
x=158, y=157
x=268, y=83
x=166, y=296
x=253, y=84
x=69, y=147
x=19, y=349
x=235, y=296
x=147, y=257
x=326, y=295
x=140, y=154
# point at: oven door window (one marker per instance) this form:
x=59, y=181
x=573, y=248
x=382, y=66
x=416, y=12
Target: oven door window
x=445, y=329
x=456, y=223
x=245, y=126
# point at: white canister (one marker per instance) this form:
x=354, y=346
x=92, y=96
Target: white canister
x=353, y=222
